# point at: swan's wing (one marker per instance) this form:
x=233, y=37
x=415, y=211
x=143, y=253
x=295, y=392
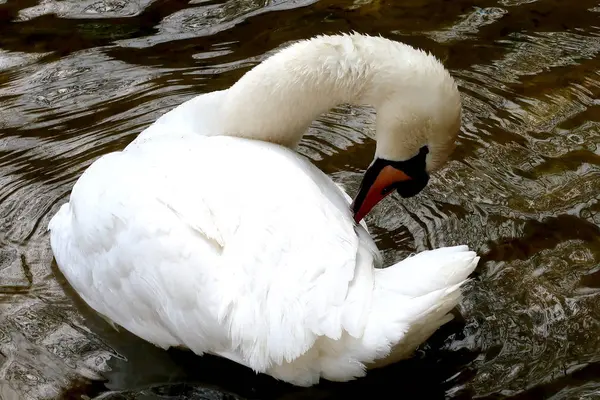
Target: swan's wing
x=222, y=245
x=131, y=257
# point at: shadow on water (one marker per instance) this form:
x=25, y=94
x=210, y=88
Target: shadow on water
x=80, y=78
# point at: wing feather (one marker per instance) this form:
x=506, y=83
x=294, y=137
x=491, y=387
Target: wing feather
x=218, y=244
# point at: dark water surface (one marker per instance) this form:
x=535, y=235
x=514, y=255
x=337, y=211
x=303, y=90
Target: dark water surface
x=79, y=79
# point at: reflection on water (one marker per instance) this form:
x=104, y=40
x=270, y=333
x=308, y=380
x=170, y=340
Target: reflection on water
x=79, y=79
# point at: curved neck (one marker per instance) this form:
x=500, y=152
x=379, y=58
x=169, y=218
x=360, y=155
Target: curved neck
x=277, y=100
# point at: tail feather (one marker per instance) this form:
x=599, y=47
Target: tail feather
x=412, y=300
x=428, y=271
x=425, y=320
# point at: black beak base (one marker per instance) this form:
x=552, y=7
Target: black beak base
x=415, y=168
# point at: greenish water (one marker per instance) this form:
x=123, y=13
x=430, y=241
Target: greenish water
x=79, y=79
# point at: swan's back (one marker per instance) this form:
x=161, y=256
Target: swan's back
x=163, y=245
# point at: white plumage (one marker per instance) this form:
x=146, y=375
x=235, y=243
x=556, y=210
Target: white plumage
x=208, y=232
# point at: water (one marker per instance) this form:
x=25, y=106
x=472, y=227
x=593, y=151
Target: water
x=79, y=79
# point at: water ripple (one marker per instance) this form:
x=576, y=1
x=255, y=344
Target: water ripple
x=79, y=79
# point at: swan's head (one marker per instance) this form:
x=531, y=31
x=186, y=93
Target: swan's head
x=417, y=102
x=417, y=124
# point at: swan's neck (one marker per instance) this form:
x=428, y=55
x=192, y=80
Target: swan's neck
x=278, y=99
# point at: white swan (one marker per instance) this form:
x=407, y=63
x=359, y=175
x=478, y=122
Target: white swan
x=209, y=232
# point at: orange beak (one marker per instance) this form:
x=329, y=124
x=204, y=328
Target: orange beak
x=376, y=190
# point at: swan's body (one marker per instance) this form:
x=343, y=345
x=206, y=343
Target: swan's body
x=198, y=236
